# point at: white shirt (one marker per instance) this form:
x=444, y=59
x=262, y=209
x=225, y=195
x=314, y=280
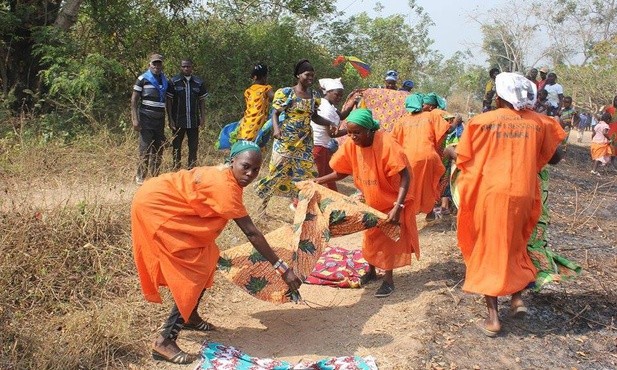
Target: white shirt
x=553, y=93
x=321, y=134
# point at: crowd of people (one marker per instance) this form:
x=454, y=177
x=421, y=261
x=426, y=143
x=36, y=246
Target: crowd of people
x=497, y=156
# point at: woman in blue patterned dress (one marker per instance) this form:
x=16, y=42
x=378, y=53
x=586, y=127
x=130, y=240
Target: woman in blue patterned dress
x=292, y=152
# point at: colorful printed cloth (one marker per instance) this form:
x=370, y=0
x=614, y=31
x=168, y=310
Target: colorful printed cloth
x=387, y=105
x=551, y=267
x=215, y=356
x=339, y=267
x=292, y=154
x=320, y=214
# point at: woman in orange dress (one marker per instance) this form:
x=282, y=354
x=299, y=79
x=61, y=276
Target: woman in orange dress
x=420, y=132
x=381, y=172
x=500, y=154
x=175, y=220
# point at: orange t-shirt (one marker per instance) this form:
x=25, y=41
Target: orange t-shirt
x=420, y=135
x=175, y=220
x=375, y=171
x=499, y=155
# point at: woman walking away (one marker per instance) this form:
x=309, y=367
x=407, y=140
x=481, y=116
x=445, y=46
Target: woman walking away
x=381, y=172
x=292, y=152
x=499, y=155
x=421, y=132
x=600, y=144
x=257, y=98
x=175, y=220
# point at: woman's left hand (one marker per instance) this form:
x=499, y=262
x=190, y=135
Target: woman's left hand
x=291, y=279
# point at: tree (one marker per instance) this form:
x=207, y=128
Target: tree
x=575, y=27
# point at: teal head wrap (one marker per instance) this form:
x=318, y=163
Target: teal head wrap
x=242, y=146
x=434, y=99
x=413, y=103
x=363, y=117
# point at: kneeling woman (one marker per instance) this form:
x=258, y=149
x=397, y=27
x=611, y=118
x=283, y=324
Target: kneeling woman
x=381, y=171
x=175, y=219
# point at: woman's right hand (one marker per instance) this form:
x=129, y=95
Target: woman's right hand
x=276, y=132
x=290, y=278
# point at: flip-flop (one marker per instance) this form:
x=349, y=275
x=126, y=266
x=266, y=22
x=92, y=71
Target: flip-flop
x=486, y=331
x=202, y=326
x=180, y=358
x=518, y=312
x=384, y=290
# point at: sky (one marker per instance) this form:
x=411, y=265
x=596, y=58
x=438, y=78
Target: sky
x=453, y=30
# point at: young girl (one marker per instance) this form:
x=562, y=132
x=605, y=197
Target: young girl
x=257, y=97
x=600, y=145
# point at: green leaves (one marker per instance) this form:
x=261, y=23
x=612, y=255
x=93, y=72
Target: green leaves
x=256, y=284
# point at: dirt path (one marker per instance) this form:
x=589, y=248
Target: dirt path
x=428, y=322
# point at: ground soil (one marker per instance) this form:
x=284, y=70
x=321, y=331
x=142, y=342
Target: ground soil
x=429, y=322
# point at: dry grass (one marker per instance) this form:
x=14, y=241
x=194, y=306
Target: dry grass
x=68, y=285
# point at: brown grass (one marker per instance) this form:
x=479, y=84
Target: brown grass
x=68, y=285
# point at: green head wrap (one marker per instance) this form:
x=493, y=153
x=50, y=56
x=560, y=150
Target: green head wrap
x=413, y=103
x=434, y=99
x=363, y=117
x=242, y=146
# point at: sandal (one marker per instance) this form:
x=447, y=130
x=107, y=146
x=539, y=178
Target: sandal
x=180, y=358
x=202, y=326
x=518, y=312
x=384, y=290
x=486, y=331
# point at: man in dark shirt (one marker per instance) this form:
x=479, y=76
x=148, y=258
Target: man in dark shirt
x=185, y=108
x=148, y=117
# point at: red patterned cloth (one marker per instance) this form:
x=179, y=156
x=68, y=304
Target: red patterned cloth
x=339, y=267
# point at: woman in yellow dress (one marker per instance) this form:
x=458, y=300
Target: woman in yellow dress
x=292, y=152
x=257, y=97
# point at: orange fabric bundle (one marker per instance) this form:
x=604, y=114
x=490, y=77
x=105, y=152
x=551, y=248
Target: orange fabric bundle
x=321, y=213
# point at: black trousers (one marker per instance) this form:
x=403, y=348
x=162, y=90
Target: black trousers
x=192, y=135
x=171, y=328
x=151, y=142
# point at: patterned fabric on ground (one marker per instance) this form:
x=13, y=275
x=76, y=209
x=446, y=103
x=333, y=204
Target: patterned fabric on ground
x=551, y=267
x=320, y=214
x=215, y=356
x=339, y=267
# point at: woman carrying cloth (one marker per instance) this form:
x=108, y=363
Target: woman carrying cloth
x=292, y=152
x=420, y=132
x=381, y=172
x=175, y=220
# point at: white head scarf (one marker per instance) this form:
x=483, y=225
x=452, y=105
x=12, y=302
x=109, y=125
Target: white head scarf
x=328, y=84
x=516, y=89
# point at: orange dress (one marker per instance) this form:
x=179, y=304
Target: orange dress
x=500, y=154
x=256, y=113
x=421, y=134
x=175, y=219
x=375, y=171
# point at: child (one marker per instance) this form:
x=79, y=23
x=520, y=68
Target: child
x=600, y=145
x=542, y=103
x=257, y=97
x=568, y=116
